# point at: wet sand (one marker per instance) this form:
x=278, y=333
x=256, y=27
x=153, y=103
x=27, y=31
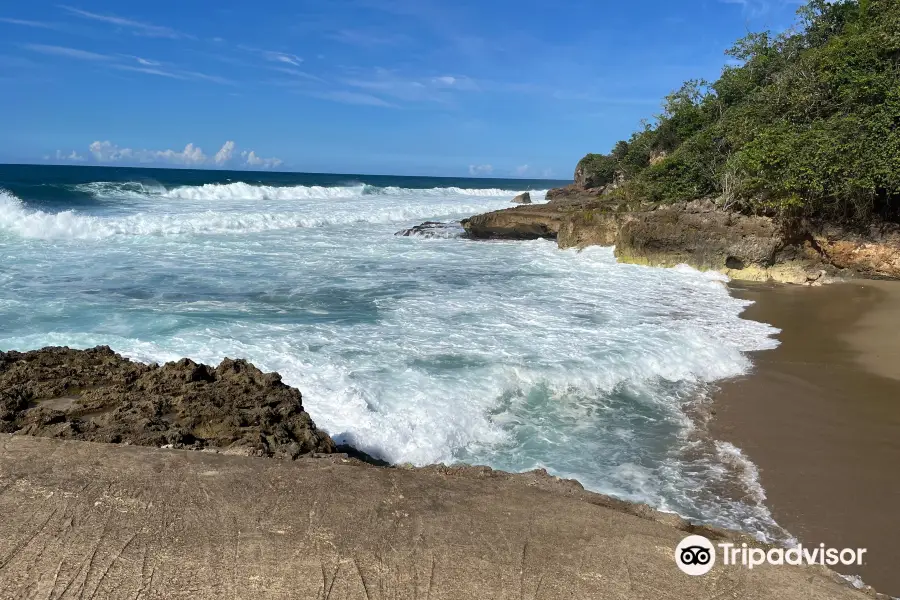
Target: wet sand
x=820, y=416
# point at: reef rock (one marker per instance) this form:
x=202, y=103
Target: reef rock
x=434, y=229
x=96, y=395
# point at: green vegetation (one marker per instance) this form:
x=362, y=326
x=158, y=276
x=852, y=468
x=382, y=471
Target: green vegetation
x=806, y=123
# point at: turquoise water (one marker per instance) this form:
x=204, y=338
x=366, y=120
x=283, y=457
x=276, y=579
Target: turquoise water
x=420, y=350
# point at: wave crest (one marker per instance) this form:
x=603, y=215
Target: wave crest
x=19, y=220
x=240, y=190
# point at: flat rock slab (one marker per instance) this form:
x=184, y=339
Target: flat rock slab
x=86, y=520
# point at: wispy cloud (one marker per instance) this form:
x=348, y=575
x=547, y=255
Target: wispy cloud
x=145, y=66
x=207, y=77
x=760, y=8
x=479, y=170
x=27, y=23
x=367, y=39
x=296, y=73
x=383, y=82
x=138, y=27
x=346, y=97
x=67, y=52
x=72, y=156
x=173, y=74
x=149, y=71
x=282, y=57
x=521, y=170
x=274, y=55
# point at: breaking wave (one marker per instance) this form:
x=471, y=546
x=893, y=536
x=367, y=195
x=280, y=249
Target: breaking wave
x=240, y=190
x=17, y=219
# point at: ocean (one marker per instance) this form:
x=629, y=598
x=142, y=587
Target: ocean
x=416, y=350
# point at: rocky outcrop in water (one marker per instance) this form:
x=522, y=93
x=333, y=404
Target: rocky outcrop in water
x=700, y=234
x=523, y=198
x=434, y=229
x=96, y=395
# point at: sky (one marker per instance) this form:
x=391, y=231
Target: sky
x=490, y=88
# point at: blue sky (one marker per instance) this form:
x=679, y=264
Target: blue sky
x=431, y=87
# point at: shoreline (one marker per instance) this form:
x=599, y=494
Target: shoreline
x=102, y=521
x=818, y=416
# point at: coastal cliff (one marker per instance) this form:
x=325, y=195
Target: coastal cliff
x=701, y=234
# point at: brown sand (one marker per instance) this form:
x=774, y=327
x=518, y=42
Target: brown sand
x=820, y=416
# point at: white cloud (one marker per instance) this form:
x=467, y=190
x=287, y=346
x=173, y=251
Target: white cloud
x=282, y=57
x=252, y=160
x=191, y=155
x=352, y=98
x=145, y=29
x=108, y=152
x=26, y=23
x=385, y=82
x=480, y=169
x=366, y=38
x=147, y=63
x=67, y=52
x=225, y=153
x=548, y=173
x=73, y=156
x=521, y=170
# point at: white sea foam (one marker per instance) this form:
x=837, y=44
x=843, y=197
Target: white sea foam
x=517, y=355
x=17, y=219
x=247, y=191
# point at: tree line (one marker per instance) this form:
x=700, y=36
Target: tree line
x=801, y=124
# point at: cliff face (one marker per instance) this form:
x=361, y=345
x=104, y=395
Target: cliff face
x=699, y=234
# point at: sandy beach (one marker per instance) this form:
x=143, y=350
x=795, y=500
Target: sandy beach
x=819, y=416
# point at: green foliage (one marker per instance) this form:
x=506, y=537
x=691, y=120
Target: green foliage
x=598, y=169
x=803, y=123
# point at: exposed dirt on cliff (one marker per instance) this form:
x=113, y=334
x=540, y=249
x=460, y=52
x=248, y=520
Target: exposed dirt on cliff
x=96, y=395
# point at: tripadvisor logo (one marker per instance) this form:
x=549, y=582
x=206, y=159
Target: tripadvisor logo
x=696, y=555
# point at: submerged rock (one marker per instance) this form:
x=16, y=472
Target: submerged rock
x=523, y=198
x=434, y=229
x=98, y=396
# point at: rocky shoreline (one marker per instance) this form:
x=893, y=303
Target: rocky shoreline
x=233, y=412
x=97, y=395
x=701, y=234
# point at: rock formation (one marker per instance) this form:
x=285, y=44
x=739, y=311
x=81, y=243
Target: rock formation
x=96, y=395
x=434, y=229
x=700, y=234
x=523, y=198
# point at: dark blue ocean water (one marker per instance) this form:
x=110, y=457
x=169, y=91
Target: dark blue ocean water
x=49, y=187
